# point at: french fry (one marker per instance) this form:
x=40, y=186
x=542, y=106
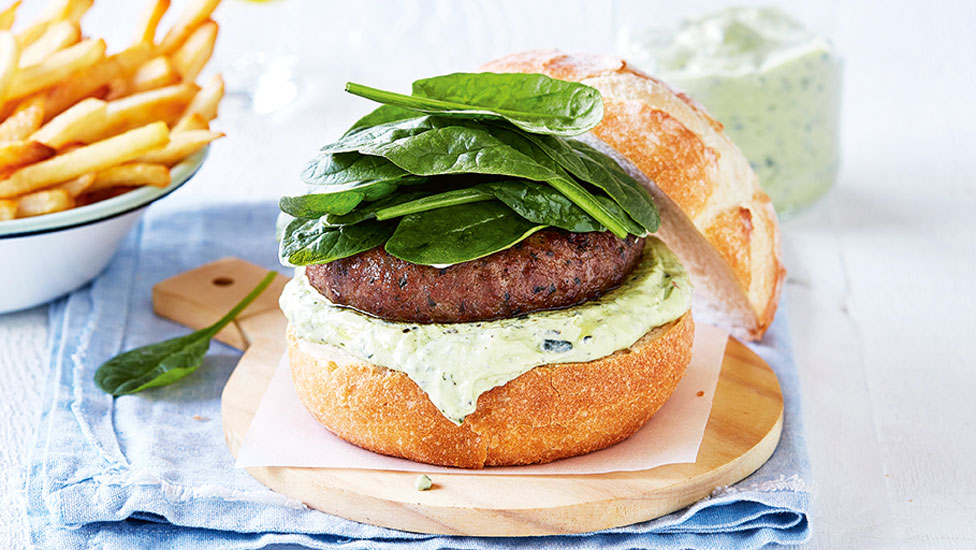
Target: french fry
x=57, y=37
x=155, y=73
x=193, y=55
x=15, y=154
x=44, y=202
x=150, y=21
x=74, y=10
x=78, y=185
x=163, y=104
x=192, y=122
x=8, y=209
x=181, y=145
x=57, y=67
x=9, y=55
x=58, y=10
x=91, y=158
x=88, y=82
x=8, y=16
x=198, y=12
x=24, y=121
x=70, y=125
x=131, y=174
x=206, y=101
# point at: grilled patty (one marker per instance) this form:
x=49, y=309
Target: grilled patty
x=551, y=269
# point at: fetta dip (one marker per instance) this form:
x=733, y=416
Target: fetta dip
x=774, y=84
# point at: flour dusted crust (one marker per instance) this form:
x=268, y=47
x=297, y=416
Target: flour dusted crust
x=714, y=215
x=551, y=412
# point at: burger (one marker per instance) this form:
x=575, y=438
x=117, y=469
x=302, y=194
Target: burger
x=478, y=281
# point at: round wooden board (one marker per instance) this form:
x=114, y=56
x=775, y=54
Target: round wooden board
x=742, y=433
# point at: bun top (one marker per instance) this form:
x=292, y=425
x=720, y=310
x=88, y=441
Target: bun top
x=714, y=214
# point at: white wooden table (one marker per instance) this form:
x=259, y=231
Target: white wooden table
x=882, y=287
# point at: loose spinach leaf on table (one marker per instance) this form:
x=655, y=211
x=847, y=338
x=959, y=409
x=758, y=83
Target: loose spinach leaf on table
x=458, y=233
x=533, y=102
x=312, y=241
x=166, y=362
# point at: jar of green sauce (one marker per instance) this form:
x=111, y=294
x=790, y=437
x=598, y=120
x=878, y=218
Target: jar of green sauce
x=774, y=84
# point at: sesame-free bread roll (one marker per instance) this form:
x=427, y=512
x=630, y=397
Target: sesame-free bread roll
x=714, y=215
x=550, y=412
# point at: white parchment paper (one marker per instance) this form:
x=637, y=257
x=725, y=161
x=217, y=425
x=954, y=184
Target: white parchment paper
x=283, y=433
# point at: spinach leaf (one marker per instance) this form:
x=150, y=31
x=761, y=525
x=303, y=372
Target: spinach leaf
x=532, y=102
x=541, y=203
x=317, y=205
x=166, y=362
x=430, y=146
x=368, y=211
x=339, y=169
x=441, y=200
x=382, y=115
x=458, y=234
x=533, y=201
x=308, y=242
x=592, y=166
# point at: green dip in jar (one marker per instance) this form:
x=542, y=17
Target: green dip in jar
x=772, y=82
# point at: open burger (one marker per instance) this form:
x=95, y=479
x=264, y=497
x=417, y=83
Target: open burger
x=476, y=280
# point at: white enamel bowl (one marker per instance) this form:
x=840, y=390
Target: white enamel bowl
x=44, y=257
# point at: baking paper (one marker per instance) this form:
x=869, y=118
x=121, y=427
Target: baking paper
x=283, y=433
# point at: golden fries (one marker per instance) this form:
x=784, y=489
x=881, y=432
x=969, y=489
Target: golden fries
x=25, y=120
x=78, y=185
x=189, y=20
x=44, y=202
x=150, y=21
x=163, y=104
x=190, y=58
x=8, y=15
x=9, y=56
x=206, y=101
x=192, y=122
x=131, y=174
x=8, y=209
x=77, y=125
x=181, y=145
x=57, y=67
x=88, y=82
x=155, y=73
x=70, y=125
x=57, y=37
x=91, y=158
x=14, y=154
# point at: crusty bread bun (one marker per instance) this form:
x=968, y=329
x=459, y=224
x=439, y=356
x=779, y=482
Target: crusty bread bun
x=550, y=412
x=714, y=215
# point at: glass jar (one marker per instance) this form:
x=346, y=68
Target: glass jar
x=773, y=83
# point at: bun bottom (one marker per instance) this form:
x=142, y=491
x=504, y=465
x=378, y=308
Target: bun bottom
x=550, y=412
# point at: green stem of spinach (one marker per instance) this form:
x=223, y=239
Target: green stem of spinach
x=165, y=362
x=442, y=200
x=584, y=200
x=385, y=96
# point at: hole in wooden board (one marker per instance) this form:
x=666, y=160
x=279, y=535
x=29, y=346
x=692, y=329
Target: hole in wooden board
x=223, y=281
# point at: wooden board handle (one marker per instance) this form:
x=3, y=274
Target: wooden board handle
x=199, y=297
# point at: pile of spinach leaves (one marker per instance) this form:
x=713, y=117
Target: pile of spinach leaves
x=469, y=164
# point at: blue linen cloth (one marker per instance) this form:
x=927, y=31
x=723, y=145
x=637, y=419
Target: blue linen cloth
x=152, y=470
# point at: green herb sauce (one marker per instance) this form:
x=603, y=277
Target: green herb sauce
x=455, y=363
x=773, y=83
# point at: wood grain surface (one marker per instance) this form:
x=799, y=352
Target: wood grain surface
x=742, y=433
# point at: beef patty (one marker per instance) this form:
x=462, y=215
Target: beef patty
x=551, y=269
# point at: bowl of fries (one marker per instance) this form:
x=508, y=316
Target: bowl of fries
x=88, y=138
